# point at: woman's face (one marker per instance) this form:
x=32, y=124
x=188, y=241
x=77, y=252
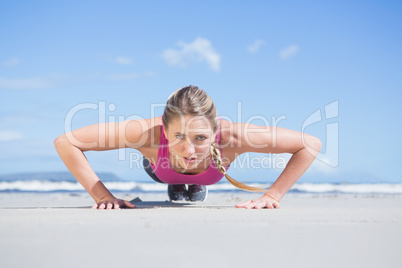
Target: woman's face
x=190, y=139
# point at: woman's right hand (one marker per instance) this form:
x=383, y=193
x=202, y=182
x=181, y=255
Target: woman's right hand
x=113, y=203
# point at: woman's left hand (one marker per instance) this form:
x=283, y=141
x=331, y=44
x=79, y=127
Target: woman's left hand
x=262, y=202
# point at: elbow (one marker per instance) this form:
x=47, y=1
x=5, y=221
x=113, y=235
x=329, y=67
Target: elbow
x=60, y=141
x=312, y=144
x=317, y=144
x=68, y=140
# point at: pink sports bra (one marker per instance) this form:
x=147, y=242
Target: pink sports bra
x=164, y=171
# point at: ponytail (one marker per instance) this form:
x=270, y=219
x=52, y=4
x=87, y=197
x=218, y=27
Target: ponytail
x=216, y=156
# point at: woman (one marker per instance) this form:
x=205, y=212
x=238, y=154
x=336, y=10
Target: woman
x=188, y=145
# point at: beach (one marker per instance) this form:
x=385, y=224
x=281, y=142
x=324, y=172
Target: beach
x=310, y=230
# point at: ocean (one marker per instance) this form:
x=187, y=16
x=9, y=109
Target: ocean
x=65, y=182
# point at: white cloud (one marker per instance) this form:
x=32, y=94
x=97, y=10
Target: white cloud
x=17, y=119
x=253, y=48
x=9, y=135
x=128, y=76
x=289, y=51
x=31, y=83
x=199, y=50
x=11, y=62
x=123, y=60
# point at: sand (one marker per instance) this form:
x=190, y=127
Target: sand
x=60, y=230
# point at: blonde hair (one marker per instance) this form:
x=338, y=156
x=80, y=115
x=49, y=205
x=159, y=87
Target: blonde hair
x=194, y=101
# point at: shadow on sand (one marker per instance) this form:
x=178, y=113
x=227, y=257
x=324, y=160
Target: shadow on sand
x=140, y=205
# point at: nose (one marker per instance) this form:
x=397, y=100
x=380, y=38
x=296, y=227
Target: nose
x=189, y=148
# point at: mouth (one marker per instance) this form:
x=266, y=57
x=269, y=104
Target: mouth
x=189, y=159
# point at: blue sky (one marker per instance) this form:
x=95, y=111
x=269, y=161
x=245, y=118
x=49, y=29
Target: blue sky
x=281, y=60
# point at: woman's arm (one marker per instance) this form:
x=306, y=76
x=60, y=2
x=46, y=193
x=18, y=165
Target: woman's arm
x=303, y=147
x=99, y=137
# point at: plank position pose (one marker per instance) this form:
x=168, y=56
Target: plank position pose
x=188, y=145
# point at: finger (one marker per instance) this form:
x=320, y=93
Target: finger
x=109, y=205
x=276, y=205
x=242, y=205
x=269, y=205
x=252, y=204
x=94, y=206
x=102, y=206
x=259, y=205
x=128, y=205
x=248, y=202
x=116, y=205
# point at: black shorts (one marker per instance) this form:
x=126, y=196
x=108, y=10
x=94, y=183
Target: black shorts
x=149, y=170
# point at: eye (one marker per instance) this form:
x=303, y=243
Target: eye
x=180, y=136
x=201, y=138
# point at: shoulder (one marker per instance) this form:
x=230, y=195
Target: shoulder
x=144, y=132
x=247, y=137
x=226, y=132
x=230, y=136
x=231, y=132
x=238, y=138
